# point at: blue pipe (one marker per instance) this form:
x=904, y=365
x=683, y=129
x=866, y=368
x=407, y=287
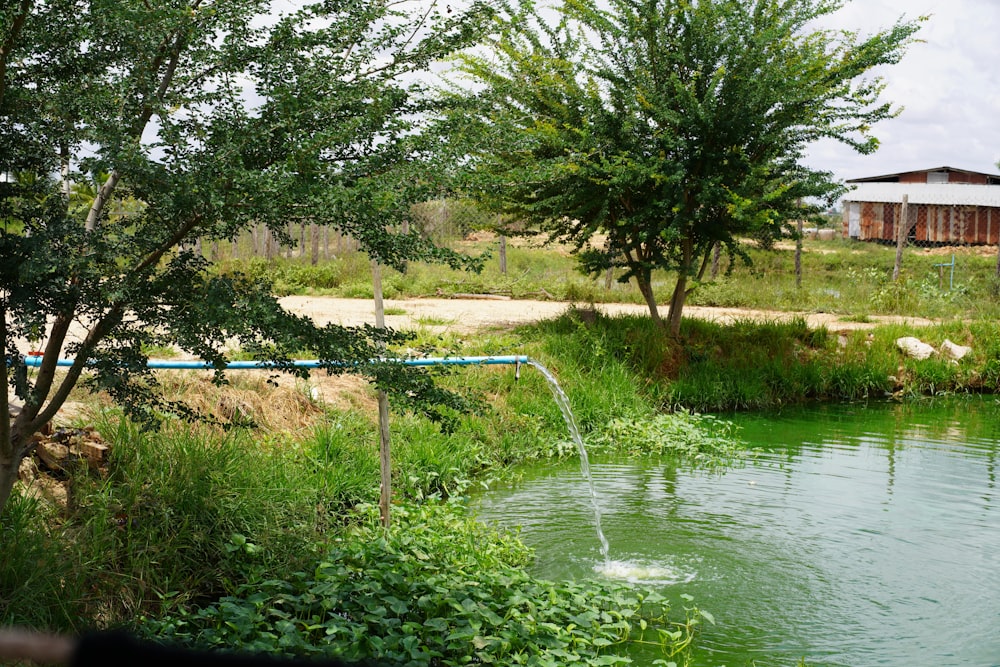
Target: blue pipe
x=36, y=361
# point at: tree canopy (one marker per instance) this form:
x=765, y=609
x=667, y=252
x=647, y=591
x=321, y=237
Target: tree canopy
x=210, y=116
x=647, y=132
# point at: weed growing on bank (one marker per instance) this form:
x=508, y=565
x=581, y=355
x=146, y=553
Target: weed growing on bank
x=756, y=365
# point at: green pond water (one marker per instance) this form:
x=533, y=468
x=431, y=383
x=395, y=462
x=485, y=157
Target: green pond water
x=857, y=536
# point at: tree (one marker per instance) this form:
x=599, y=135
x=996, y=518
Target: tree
x=210, y=117
x=669, y=126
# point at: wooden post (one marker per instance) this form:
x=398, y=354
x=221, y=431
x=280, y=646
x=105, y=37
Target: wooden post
x=902, y=230
x=998, y=258
x=385, y=460
x=314, y=242
x=798, y=252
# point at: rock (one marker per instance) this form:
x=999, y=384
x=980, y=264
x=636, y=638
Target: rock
x=914, y=347
x=954, y=350
x=52, y=454
x=55, y=491
x=27, y=471
x=95, y=452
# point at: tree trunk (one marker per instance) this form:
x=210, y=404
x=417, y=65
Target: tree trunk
x=503, y=255
x=680, y=289
x=643, y=280
x=270, y=247
x=8, y=476
x=798, y=254
x=716, y=257
x=677, y=304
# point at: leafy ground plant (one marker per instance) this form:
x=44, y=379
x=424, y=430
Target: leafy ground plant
x=440, y=589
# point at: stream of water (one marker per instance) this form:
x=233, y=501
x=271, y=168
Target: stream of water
x=562, y=400
x=859, y=535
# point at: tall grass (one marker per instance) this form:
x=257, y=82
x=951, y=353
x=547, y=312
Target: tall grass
x=39, y=586
x=185, y=513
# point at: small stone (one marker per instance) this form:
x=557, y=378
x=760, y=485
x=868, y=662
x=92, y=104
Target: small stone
x=27, y=471
x=954, y=350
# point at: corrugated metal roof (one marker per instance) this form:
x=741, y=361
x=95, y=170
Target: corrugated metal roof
x=946, y=194
x=891, y=177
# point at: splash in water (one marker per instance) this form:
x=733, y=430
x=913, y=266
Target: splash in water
x=641, y=572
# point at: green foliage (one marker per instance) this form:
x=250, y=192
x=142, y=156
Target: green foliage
x=701, y=440
x=670, y=127
x=439, y=589
x=149, y=104
x=186, y=515
x=39, y=587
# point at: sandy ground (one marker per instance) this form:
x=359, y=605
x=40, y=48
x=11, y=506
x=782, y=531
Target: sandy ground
x=468, y=315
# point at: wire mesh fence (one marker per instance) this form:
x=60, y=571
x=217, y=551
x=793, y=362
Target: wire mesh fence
x=938, y=219
x=444, y=221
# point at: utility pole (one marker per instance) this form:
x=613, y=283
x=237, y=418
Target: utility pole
x=902, y=231
x=385, y=460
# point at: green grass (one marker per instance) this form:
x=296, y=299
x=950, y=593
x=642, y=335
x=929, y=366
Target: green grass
x=39, y=586
x=850, y=278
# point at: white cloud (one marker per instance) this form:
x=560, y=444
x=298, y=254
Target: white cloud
x=948, y=86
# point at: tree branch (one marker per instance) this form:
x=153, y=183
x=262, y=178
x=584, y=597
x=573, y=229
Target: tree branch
x=6, y=451
x=97, y=333
x=104, y=195
x=8, y=44
x=47, y=371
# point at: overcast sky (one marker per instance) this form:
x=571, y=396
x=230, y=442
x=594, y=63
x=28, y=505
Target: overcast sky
x=948, y=86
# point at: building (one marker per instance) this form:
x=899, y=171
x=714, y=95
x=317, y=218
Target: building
x=945, y=206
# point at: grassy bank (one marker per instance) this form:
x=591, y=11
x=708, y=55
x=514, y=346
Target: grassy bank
x=260, y=538
x=754, y=365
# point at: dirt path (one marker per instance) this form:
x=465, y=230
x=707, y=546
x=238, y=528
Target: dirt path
x=468, y=315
